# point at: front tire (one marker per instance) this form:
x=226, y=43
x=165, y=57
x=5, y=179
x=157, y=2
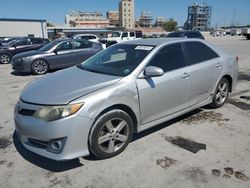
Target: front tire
x=111, y=134
x=221, y=93
x=5, y=58
x=39, y=67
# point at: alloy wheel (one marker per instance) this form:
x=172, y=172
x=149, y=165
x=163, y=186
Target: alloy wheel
x=40, y=67
x=113, y=135
x=222, y=92
x=5, y=58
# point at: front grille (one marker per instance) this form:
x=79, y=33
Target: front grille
x=38, y=143
x=26, y=112
x=18, y=66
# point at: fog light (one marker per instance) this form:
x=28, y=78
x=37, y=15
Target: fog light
x=56, y=145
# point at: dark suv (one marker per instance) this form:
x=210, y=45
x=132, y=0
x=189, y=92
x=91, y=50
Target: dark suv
x=186, y=34
x=20, y=45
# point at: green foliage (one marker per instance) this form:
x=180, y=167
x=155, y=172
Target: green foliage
x=170, y=25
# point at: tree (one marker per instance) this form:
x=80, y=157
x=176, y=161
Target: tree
x=170, y=25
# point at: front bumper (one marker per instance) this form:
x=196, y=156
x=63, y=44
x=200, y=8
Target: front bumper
x=21, y=66
x=74, y=128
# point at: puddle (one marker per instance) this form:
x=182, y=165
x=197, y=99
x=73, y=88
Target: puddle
x=202, y=117
x=15, y=87
x=239, y=104
x=229, y=171
x=226, y=176
x=239, y=175
x=166, y=162
x=245, y=97
x=3, y=162
x=4, y=143
x=189, y=145
x=216, y=172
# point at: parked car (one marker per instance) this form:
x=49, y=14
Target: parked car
x=56, y=55
x=90, y=37
x=96, y=107
x=4, y=41
x=186, y=34
x=20, y=45
x=121, y=36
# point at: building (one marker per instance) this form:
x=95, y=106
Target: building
x=23, y=28
x=113, y=17
x=86, y=19
x=199, y=17
x=145, y=20
x=159, y=22
x=127, y=14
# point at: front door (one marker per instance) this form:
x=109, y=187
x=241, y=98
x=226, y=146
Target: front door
x=167, y=94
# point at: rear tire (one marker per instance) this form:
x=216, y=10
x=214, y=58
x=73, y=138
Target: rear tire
x=39, y=67
x=111, y=134
x=5, y=58
x=221, y=94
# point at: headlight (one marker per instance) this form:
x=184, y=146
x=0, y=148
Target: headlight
x=52, y=113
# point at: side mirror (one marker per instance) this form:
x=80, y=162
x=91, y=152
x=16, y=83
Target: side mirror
x=14, y=46
x=55, y=51
x=152, y=71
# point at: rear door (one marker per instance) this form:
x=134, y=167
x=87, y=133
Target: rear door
x=167, y=94
x=204, y=67
x=82, y=50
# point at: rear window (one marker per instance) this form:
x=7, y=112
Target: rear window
x=199, y=52
x=174, y=34
x=194, y=35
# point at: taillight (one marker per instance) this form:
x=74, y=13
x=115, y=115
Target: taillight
x=237, y=59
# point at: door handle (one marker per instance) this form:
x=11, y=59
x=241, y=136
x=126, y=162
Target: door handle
x=218, y=65
x=185, y=75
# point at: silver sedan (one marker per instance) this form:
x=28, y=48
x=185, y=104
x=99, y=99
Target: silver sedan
x=97, y=106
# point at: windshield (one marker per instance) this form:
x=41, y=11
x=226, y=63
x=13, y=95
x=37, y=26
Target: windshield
x=48, y=46
x=116, y=34
x=118, y=60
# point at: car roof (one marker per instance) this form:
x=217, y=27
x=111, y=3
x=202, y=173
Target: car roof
x=158, y=41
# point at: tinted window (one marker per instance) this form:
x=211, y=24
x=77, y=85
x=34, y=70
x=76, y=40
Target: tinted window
x=82, y=44
x=199, y=52
x=21, y=42
x=194, y=35
x=36, y=41
x=125, y=34
x=175, y=34
x=138, y=34
x=169, y=58
x=132, y=34
x=64, y=46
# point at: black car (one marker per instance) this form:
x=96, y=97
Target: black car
x=20, y=45
x=186, y=34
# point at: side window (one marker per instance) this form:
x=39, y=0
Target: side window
x=82, y=44
x=132, y=34
x=21, y=42
x=64, y=46
x=92, y=37
x=124, y=34
x=36, y=41
x=169, y=58
x=199, y=52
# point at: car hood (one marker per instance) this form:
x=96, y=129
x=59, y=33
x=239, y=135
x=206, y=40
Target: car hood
x=29, y=53
x=64, y=86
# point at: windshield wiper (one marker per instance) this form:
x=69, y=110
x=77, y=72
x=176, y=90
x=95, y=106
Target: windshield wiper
x=90, y=70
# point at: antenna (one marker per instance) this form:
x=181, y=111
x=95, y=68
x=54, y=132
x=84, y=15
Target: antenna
x=233, y=17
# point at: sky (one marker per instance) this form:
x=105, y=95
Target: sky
x=224, y=12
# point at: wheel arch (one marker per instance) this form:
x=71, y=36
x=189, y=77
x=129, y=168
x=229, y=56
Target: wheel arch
x=42, y=60
x=230, y=80
x=122, y=107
